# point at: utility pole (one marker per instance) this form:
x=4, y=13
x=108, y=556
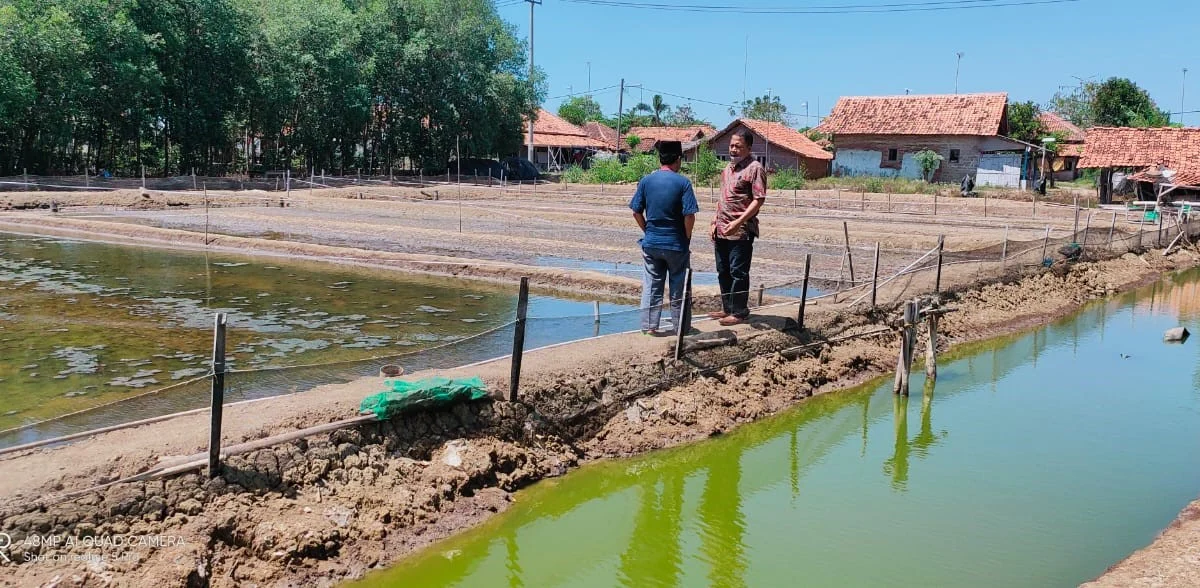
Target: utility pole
x=532, y=3
x=620, y=111
x=959, y=63
x=1183, y=97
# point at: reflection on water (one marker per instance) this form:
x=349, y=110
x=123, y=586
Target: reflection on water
x=1026, y=476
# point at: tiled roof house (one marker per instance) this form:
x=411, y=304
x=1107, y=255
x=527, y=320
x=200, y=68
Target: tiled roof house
x=1159, y=155
x=556, y=142
x=1070, y=149
x=878, y=136
x=777, y=146
x=650, y=136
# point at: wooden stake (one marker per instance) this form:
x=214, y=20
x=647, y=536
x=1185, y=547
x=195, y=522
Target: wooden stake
x=875, y=275
x=889, y=200
x=518, y=350
x=761, y=289
x=596, y=310
x=1112, y=227
x=863, y=204
x=935, y=196
x=931, y=349
x=804, y=291
x=849, y=257
x=985, y=201
x=206, y=214
x=1045, y=244
x=218, y=396
x=937, y=285
x=1004, y=248
x=685, y=314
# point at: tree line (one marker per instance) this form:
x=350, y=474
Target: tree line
x=235, y=86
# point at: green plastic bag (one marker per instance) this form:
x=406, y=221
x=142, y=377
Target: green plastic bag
x=422, y=395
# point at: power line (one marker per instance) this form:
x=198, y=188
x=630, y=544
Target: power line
x=937, y=5
x=596, y=91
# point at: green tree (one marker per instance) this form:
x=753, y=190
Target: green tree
x=1024, y=123
x=1076, y=106
x=1121, y=103
x=633, y=141
x=580, y=110
x=684, y=116
x=768, y=108
x=929, y=161
x=656, y=111
x=707, y=165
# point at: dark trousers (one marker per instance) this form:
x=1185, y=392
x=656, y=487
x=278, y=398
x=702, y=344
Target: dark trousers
x=733, y=273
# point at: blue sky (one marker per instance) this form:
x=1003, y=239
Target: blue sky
x=1027, y=51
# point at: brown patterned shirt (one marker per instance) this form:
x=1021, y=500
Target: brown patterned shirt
x=742, y=183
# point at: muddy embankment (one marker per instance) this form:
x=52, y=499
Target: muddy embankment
x=330, y=507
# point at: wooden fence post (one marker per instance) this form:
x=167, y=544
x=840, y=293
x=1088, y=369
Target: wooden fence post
x=518, y=350
x=849, y=257
x=1075, y=228
x=804, y=291
x=985, y=202
x=935, y=198
x=206, y=214
x=685, y=314
x=875, y=275
x=596, y=310
x=761, y=289
x=1112, y=227
x=1159, y=237
x=1004, y=248
x=862, y=207
x=904, y=361
x=931, y=348
x=218, y=396
x=937, y=284
x=1045, y=244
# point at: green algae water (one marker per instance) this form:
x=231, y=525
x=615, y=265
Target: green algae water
x=93, y=327
x=1037, y=460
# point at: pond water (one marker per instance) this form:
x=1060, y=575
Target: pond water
x=86, y=324
x=1036, y=460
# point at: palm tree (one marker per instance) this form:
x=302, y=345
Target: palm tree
x=658, y=109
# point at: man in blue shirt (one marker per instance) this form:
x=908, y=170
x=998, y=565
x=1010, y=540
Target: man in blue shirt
x=665, y=207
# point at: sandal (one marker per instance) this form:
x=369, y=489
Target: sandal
x=729, y=321
x=718, y=314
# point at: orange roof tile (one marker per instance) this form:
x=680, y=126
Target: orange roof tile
x=949, y=114
x=1127, y=147
x=1054, y=123
x=551, y=131
x=780, y=135
x=600, y=132
x=1070, y=150
x=1186, y=177
x=652, y=135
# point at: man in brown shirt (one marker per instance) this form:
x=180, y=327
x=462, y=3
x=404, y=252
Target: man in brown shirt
x=743, y=191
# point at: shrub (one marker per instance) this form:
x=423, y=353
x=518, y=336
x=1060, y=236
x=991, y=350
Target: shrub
x=786, y=179
x=930, y=161
x=574, y=175
x=706, y=167
x=874, y=185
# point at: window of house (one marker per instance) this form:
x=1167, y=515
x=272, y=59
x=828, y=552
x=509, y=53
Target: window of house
x=1070, y=165
x=954, y=155
x=761, y=159
x=893, y=154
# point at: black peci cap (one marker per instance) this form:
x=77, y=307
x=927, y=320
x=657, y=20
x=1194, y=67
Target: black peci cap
x=670, y=148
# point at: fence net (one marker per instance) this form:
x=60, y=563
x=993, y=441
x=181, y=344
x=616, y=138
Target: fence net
x=271, y=376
